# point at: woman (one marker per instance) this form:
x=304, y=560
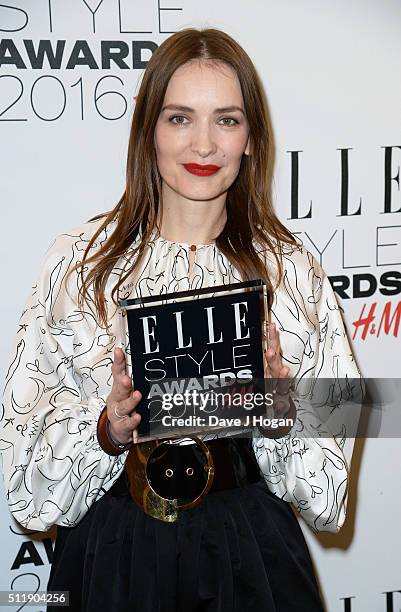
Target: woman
x=196, y=212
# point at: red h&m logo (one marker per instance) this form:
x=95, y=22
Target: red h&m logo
x=389, y=321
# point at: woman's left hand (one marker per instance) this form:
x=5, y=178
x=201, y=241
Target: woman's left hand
x=283, y=405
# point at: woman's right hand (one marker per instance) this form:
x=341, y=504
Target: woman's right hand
x=123, y=401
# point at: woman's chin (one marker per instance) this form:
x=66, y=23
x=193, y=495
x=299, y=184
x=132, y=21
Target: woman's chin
x=200, y=195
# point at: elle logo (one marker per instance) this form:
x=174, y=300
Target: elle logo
x=149, y=324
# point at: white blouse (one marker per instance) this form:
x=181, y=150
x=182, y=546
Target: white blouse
x=60, y=374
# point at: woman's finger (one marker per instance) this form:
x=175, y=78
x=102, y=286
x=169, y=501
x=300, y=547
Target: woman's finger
x=123, y=417
x=118, y=366
x=274, y=342
x=118, y=410
x=283, y=383
x=128, y=405
x=124, y=430
x=273, y=355
x=127, y=426
x=122, y=384
x=274, y=362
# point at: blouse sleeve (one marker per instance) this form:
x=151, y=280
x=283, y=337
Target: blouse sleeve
x=309, y=467
x=53, y=466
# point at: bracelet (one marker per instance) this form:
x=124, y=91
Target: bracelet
x=117, y=444
x=106, y=442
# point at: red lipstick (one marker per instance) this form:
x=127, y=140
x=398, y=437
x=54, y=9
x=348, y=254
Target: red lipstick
x=201, y=169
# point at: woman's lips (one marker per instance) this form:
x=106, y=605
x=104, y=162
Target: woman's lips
x=201, y=170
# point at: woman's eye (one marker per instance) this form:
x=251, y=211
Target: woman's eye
x=234, y=121
x=177, y=117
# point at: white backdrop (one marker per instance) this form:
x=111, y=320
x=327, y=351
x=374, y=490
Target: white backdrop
x=331, y=72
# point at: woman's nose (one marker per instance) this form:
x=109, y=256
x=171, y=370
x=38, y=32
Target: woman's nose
x=203, y=142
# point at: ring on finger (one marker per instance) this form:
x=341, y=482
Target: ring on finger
x=119, y=416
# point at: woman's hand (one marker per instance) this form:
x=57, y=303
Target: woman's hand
x=122, y=401
x=276, y=370
x=283, y=405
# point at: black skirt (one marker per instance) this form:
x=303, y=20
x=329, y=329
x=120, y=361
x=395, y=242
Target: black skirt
x=240, y=549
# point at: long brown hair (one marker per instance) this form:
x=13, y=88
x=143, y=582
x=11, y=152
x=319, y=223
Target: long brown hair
x=250, y=213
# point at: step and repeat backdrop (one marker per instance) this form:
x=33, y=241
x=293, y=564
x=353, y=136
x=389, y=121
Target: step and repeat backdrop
x=69, y=73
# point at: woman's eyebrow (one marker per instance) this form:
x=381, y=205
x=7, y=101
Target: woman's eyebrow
x=187, y=109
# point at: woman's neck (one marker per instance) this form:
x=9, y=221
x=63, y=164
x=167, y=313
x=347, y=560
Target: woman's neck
x=192, y=221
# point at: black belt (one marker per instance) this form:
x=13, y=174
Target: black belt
x=234, y=463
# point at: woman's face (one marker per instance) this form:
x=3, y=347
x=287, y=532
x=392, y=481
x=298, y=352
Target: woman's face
x=202, y=122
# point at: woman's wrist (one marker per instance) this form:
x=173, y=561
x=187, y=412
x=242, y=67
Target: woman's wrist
x=113, y=440
x=106, y=442
x=289, y=416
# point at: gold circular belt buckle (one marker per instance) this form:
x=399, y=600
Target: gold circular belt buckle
x=151, y=473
